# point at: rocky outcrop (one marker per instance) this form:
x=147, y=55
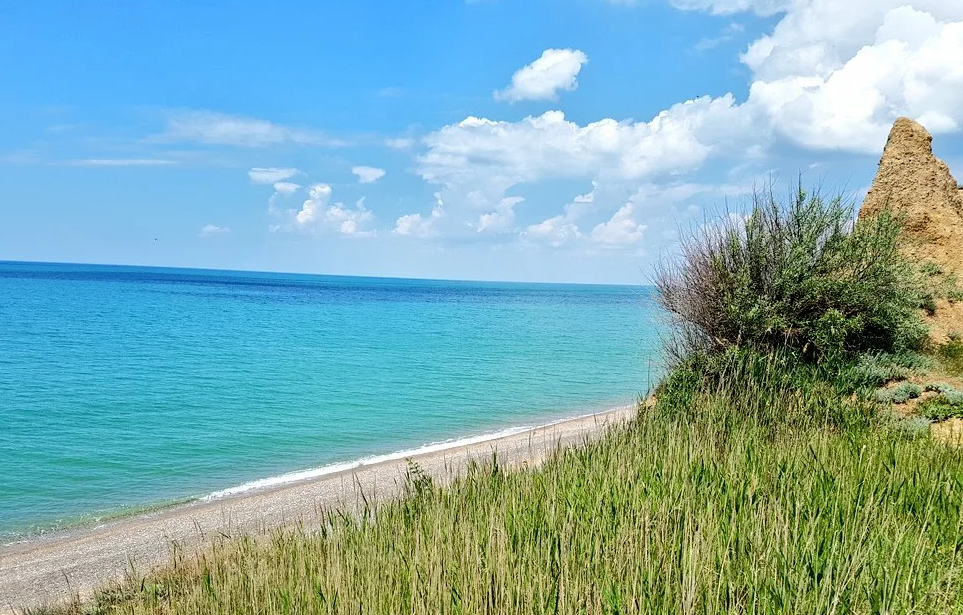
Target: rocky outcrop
x=918, y=187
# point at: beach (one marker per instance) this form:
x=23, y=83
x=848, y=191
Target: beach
x=59, y=566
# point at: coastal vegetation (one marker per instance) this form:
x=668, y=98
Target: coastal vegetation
x=794, y=277
x=769, y=474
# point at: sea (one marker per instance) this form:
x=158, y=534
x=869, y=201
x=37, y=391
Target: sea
x=125, y=389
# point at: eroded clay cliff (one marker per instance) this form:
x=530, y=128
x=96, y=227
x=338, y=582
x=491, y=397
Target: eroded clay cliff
x=917, y=186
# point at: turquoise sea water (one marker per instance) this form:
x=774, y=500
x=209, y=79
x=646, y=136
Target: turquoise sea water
x=127, y=387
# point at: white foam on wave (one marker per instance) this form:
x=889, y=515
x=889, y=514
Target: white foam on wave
x=334, y=468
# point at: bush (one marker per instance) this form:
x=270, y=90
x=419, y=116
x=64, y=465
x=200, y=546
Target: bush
x=899, y=395
x=873, y=370
x=800, y=277
x=941, y=408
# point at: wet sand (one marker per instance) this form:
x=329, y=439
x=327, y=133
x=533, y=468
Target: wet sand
x=55, y=568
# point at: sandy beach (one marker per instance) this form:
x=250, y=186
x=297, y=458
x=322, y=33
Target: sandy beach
x=56, y=567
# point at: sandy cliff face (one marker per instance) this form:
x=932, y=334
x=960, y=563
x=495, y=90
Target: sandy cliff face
x=917, y=186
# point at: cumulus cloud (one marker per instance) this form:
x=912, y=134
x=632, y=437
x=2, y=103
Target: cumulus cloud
x=317, y=213
x=270, y=175
x=211, y=230
x=317, y=200
x=348, y=221
x=416, y=225
x=478, y=161
x=555, y=231
x=502, y=219
x=622, y=228
x=562, y=229
x=538, y=147
x=834, y=75
x=367, y=175
x=213, y=128
x=554, y=71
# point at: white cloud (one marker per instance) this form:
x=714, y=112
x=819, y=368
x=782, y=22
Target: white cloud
x=215, y=128
x=318, y=198
x=416, y=225
x=286, y=188
x=317, y=214
x=834, y=75
x=556, y=70
x=348, y=221
x=502, y=219
x=621, y=229
x=478, y=161
x=211, y=230
x=367, y=175
x=271, y=175
x=545, y=146
x=555, y=231
x=562, y=229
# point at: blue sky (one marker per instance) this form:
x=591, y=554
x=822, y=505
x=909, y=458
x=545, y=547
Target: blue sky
x=553, y=140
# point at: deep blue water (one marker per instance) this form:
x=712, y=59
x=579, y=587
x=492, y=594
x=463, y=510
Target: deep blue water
x=127, y=387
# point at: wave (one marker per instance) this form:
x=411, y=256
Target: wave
x=434, y=447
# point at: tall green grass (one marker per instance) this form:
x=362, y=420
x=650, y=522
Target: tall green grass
x=950, y=357
x=706, y=507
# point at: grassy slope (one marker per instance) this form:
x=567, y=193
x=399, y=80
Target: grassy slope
x=687, y=510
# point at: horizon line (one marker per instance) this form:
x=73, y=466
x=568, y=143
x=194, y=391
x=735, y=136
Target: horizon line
x=5, y=261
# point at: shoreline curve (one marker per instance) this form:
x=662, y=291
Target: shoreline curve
x=56, y=567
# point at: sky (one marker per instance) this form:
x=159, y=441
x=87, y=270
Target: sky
x=528, y=140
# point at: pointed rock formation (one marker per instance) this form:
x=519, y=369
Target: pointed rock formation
x=917, y=186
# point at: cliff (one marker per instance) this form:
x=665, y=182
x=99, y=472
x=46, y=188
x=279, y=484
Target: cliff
x=918, y=187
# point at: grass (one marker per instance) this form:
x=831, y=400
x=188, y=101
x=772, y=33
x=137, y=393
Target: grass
x=716, y=506
x=950, y=356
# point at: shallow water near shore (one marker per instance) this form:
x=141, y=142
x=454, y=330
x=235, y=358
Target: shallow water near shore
x=126, y=387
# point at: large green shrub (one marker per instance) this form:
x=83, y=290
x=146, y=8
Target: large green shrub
x=800, y=276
